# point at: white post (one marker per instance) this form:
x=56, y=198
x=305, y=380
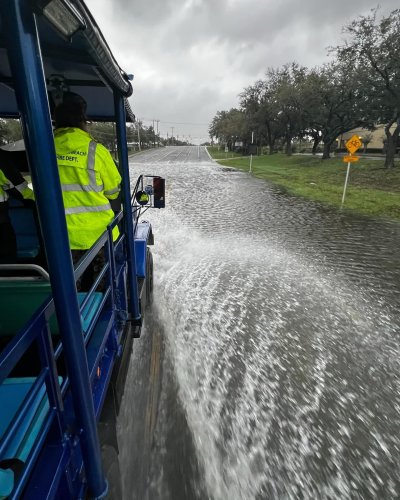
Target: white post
x=251, y=154
x=345, y=182
x=138, y=134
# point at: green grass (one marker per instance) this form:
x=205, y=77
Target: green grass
x=219, y=154
x=371, y=190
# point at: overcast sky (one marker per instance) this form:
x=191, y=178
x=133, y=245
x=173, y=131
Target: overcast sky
x=191, y=58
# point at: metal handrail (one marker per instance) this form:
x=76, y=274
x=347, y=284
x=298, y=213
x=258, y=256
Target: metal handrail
x=23, y=267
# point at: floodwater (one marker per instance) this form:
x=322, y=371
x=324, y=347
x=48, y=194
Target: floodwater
x=272, y=350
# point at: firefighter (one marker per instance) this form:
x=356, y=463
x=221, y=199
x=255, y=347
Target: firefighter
x=89, y=180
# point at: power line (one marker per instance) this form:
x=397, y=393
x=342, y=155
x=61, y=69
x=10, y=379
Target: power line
x=178, y=123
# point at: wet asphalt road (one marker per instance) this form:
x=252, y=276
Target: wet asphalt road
x=270, y=365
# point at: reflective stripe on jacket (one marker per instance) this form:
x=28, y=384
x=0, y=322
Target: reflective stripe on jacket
x=89, y=179
x=25, y=190
x=14, y=180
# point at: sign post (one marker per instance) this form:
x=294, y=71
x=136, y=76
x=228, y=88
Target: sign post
x=251, y=154
x=352, y=145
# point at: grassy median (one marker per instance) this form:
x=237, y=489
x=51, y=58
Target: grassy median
x=372, y=189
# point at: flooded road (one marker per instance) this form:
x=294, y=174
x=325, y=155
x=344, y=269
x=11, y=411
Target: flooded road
x=277, y=322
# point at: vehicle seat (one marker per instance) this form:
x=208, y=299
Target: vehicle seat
x=21, y=296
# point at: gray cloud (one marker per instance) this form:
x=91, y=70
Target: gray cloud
x=193, y=57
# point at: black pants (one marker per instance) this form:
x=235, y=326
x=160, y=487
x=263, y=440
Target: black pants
x=8, y=241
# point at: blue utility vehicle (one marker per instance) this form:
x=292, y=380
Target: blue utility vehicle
x=64, y=355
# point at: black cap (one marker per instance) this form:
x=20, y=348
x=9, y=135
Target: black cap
x=71, y=112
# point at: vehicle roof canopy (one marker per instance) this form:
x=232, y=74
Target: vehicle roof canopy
x=83, y=63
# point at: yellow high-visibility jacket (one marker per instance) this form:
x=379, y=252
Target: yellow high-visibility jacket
x=3, y=181
x=14, y=181
x=89, y=179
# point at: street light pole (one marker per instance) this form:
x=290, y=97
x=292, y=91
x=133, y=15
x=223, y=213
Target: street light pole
x=251, y=154
x=138, y=134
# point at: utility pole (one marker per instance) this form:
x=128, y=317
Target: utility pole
x=251, y=154
x=138, y=134
x=158, y=121
x=172, y=137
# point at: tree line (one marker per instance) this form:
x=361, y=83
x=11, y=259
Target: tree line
x=138, y=135
x=359, y=87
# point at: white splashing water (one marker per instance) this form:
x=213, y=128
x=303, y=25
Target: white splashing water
x=256, y=337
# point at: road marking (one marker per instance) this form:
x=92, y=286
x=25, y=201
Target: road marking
x=154, y=384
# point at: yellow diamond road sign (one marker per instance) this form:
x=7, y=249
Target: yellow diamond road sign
x=353, y=144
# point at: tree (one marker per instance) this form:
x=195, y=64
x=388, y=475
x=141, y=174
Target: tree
x=10, y=130
x=334, y=103
x=274, y=106
x=250, y=105
x=374, y=43
x=228, y=126
x=286, y=85
x=104, y=133
x=261, y=112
